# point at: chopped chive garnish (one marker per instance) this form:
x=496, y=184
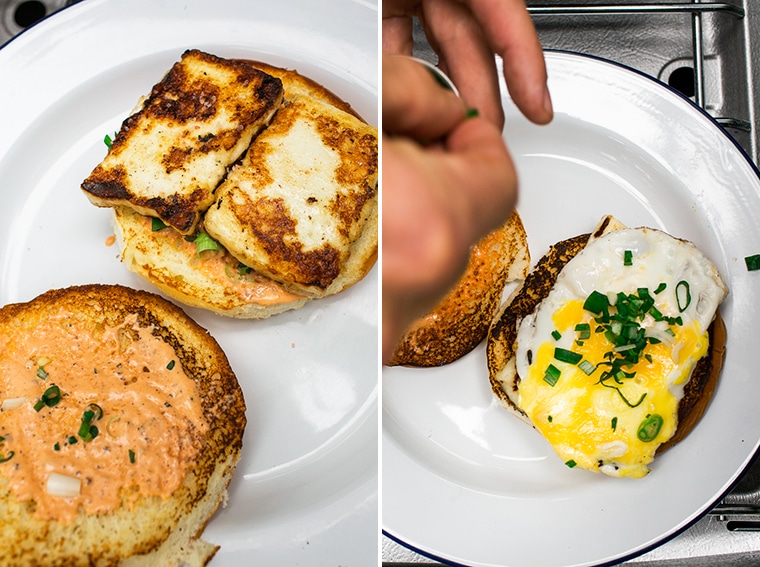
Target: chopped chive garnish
x=649, y=428
x=596, y=303
x=549, y=419
x=660, y=288
x=170, y=365
x=95, y=409
x=627, y=258
x=556, y=335
x=613, y=423
x=131, y=456
x=584, y=331
x=72, y=440
x=108, y=140
x=42, y=374
x=552, y=375
x=564, y=355
x=7, y=456
x=243, y=269
x=752, y=262
x=571, y=463
x=204, y=242
x=587, y=367
x=683, y=295
x=49, y=398
x=157, y=224
x=88, y=431
x=57, y=447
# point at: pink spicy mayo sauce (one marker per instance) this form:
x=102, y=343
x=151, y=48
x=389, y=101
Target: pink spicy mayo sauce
x=221, y=267
x=149, y=433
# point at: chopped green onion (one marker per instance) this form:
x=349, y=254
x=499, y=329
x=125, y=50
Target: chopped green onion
x=556, y=335
x=752, y=262
x=660, y=288
x=7, y=456
x=157, y=224
x=96, y=409
x=549, y=419
x=584, y=331
x=571, y=463
x=596, y=303
x=88, y=431
x=683, y=298
x=50, y=397
x=613, y=423
x=649, y=428
x=72, y=440
x=564, y=355
x=42, y=374
x=628, y=258
x=587, y=367
x=243, y=269
x=204, y=242
x=131, y=456
x=552, y=375
x=57, y=447
x=170, y=365
x=108, y=140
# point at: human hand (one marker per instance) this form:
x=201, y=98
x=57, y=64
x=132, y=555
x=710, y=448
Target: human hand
x=438, y=197
x=466, y=34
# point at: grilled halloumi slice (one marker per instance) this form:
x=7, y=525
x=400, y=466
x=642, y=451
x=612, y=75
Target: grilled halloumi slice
x=169, y=157
x=301, y=207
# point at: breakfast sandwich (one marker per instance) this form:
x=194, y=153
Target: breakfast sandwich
x=168, y=157
x=120, y=429
x=461, y=319
x=612, y=347
x=293, y=219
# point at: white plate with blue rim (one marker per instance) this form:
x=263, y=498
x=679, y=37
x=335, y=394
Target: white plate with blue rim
x=466, y=483
x=305, y=491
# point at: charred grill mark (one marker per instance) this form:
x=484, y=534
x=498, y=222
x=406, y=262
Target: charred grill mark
x=275, y=230
x=107, y=184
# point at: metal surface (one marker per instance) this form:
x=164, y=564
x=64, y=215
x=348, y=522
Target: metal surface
x=710, y=52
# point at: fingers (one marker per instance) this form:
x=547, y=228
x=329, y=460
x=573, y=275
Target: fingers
x=436, y=204
x=414, y=104
x=511, y=34
x=464, y=54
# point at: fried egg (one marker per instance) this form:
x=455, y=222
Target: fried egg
x=604, y=358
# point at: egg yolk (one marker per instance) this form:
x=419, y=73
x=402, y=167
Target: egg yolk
x=594, y=422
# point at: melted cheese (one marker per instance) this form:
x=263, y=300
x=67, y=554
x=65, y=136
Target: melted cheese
x=152, y=414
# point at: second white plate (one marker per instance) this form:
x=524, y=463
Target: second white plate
x=467, y=483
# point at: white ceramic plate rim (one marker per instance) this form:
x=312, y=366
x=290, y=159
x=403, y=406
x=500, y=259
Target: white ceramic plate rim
x=306, y=488
x=439, y=497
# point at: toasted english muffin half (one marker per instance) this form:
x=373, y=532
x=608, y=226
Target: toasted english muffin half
x=501, y=346
x=168, y=158
x=122, y=425
x=211, y=279
x=301, y=207
x=461, y=320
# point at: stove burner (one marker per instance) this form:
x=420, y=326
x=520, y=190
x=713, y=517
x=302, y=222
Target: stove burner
x=17, y=15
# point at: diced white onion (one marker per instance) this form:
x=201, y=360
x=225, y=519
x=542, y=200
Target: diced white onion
x=63, y=485
x=12, y=403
